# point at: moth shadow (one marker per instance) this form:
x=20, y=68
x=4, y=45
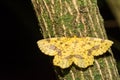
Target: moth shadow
x=62, y=72
x=81, y=69
x=107, y=54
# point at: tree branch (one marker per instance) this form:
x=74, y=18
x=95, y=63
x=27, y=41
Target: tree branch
x=58, y=18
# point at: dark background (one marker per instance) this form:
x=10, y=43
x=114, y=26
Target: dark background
x=20, y=58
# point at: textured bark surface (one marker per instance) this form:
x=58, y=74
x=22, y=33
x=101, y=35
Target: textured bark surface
x=80, y=18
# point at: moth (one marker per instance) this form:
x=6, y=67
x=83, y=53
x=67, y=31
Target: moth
x=80, y=51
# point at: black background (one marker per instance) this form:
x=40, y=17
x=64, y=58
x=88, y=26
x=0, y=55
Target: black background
x=20, y=58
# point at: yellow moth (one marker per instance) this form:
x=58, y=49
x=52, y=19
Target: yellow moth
x=80, y=51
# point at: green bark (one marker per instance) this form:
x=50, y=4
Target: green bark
x=58, y=18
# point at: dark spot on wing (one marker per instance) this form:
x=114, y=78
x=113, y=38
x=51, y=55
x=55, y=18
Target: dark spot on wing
x=61, y=42
x=55, y=49
x=68, y=57
x=59, y=52
x=88, y=43
x=66, y=45
x=96, y=47
x=83, y=45
x=52, y=47
x=78, y=56
x=93, y=48
x=89, y=52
